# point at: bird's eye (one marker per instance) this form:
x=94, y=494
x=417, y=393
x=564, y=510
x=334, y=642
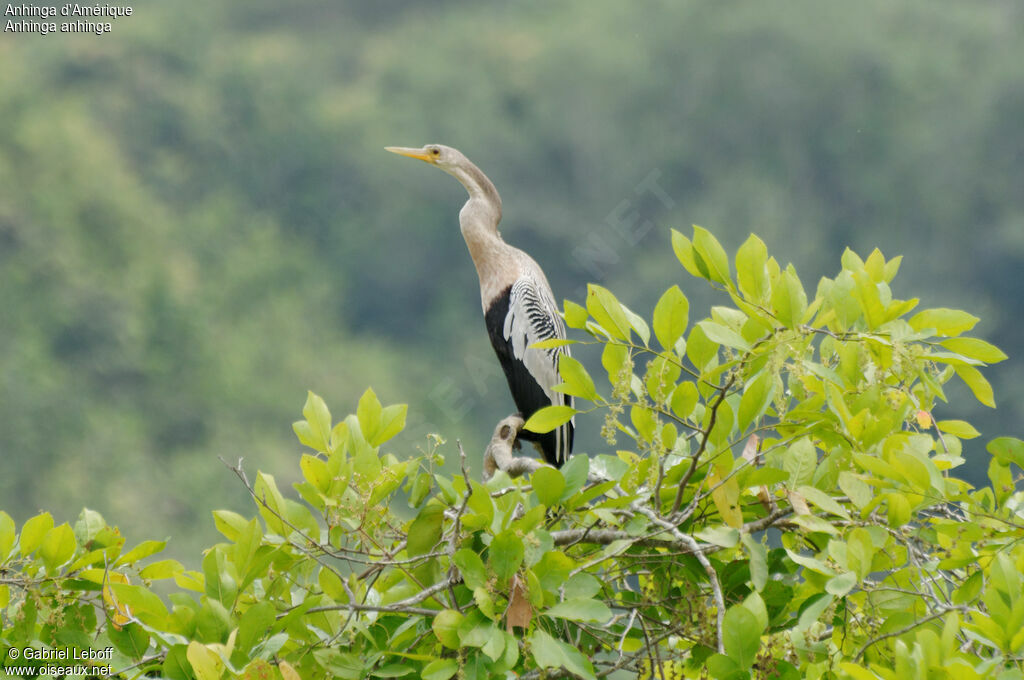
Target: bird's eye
x=436, y=152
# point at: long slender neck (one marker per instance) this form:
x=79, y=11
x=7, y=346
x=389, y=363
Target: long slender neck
x=478, y=220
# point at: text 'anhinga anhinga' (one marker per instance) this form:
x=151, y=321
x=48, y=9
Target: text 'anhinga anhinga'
x=519, y=307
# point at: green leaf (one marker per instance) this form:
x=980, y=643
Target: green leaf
x=841, y=584
x=425, y=530
x=474, y=574
x=143, y=602
x=229, y=523
x=644, y=421
x=581, y=610
x=723, y=335
x=684, y=252
x=812, y=608
x=440, y=669
x=722, y=535
x=958, y=428
x=392, y=670
x=446, y=628
x=979, y=385
x=969, y=589
x=34, y=531
x=270, y=503
x=637, y=323
x=552, y=343
x=551, y=653
x=549, y=417
x=943, y=321
x=141, y=551
x=823, y=501
x=713, y=255
x=548, y=484
x=330, y=582
x=316, y=472
x=58, y=546
x=369, y=413
x=684, y=399
x=789, y=299
x=8, y=534
x=800, y=460
x=506, y=554
x=575, y=472
x=758, y=559
x=607, y=311
x=671, y=316
x=575, y=315
x=581, y=585
x=480, y=506
x=721, y=667
x=162, y=569
x=741, y=635
x=973, y=348
x=575, y=379
x=318, y=416
x=89, y=524
x=757, y=395
x=253, y=626
x=392, y=421
x=751, y=273
x=857, y=489
x=1005, y=449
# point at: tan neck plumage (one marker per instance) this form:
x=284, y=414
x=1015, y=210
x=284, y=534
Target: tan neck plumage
x=497, y=263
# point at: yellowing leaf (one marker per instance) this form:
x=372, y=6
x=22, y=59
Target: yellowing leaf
x=607, y=312
x=287, y=671
x=973, y=348
x=943, y=321
x=723, y=335
x=549, y=417
x=575, y=379
x=726, y=496
x=671, y=316
x=684, y=252
x=34, y=531
x=319, y=419
x=979, y=385
x=575, y=315
x=713, y=255
x=205, y=662
x=958, y=428
x=751, y=273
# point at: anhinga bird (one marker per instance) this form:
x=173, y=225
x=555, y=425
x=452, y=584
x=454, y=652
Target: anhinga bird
x=519, y=307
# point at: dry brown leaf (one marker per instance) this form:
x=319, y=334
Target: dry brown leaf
x=752, y=450
x=799, y=503
x=519, y=611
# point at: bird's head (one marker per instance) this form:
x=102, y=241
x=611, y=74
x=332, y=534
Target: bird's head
x=458, y=166
x=444, y=157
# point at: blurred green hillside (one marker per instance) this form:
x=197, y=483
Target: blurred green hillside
x=198, y=222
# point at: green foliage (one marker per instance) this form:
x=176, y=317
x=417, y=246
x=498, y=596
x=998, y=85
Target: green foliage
x=198, y=222
x=778, y=501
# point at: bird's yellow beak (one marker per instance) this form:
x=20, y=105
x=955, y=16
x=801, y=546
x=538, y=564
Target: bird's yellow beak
x=412, y=153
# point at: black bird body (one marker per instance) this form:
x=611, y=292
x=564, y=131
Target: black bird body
x=519, y=307
x=526, y=391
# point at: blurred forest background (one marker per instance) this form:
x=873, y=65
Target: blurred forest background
x=198, y=221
